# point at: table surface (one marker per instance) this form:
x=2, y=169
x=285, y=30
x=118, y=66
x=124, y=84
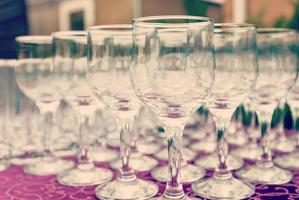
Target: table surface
x=16, y=185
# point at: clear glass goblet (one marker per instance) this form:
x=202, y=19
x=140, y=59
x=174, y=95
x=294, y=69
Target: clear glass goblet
x=172, y=73
x=33, y=75
x=235, y=76
x=69, y=72
x=277, y=74
x=7, y=105
x=110, y=49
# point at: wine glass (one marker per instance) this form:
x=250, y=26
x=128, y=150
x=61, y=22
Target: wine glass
x=33, y=75
x=69, y=72
x=110, y=49
x=172, y=73
x=290, y=161
x=235, y=76
x=277, y=74
x=7, y=100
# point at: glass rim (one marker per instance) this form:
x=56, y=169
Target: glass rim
x=68, y=34
x=149, y=21
x=264, y=31
x=118, y=29
x=34, y=39
x=235, y=25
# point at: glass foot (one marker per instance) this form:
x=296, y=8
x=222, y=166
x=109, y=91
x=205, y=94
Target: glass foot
x=24, y=161
x=167, y=198
x=210, y=162
x=85, y=177
x=237, y=139
x=272, y=175
x=189, y=173
x=48, y=166
x=65, y=152
x=204, y=146
x=102, y=154
x=187, y=154
x=284, y=145
x=126, y=190
x=197, y=135
x=148, y=148
x=223, y=188
x=247, y=152
x=290, y=161
x=4, y=165
x=138, y=162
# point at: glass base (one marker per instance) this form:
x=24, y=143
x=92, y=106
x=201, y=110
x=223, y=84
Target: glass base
x=189, y=173
x=85, y=177
x=48, y=166
x=138, y=162
x=167, y=198
x=66, y=152
x=187, y=154
x=271, y=175
x=237, y=139
x=126, y=190
x=102, y=154
x=148, y=148
x=210, y=162
x=248, y=152
x=290, y=161
x=24, y=161
x=4, y=165
x=204, y=146
x=284, y=145
x=223, y=188
x=197, y=135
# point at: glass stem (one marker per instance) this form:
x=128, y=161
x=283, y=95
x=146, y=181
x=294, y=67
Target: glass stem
x=174, y=188
x=126, y=136
x=221, y=171
x=47, y=125
x=266, y=157
x=84, y=161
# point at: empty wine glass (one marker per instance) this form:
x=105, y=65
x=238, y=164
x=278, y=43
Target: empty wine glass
x=277, y=74
x=7, y=100
x=110, y=49
x=172, y=73
x=235, y=76
x=69, y=72
x=33, y=74
x=291, y=160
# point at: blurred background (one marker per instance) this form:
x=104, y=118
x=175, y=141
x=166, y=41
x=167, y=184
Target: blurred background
x=40, y=17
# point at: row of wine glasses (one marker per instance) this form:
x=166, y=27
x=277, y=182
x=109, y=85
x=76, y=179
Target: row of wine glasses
x=173, y=65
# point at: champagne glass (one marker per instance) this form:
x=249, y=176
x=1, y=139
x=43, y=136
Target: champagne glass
x=110, y=49
x=235, y=76
x=69, y=72
x=277, y=74
x=172, y=73
x=33, y=75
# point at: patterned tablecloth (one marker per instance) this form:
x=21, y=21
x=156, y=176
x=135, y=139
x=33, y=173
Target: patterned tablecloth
x=16, y=185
